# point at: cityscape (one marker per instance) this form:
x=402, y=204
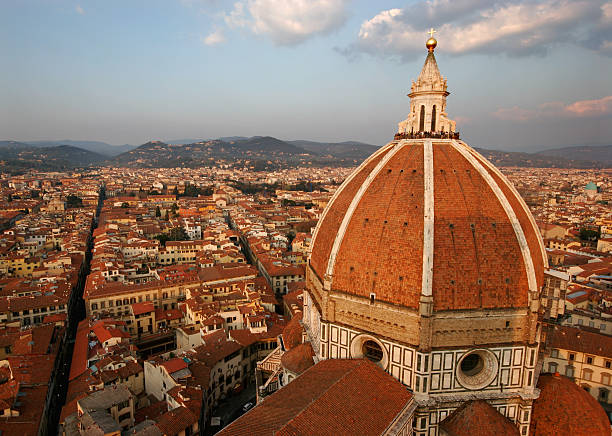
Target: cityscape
x=260, y=285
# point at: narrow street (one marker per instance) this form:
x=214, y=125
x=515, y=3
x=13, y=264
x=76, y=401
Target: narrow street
x=76, y=312
x=230, y=409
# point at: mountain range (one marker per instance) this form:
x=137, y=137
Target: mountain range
x=259, y=151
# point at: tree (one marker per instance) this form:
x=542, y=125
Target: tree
x=125, y=205
x=191, y=191
x=9, y=198
x=35, y=193
x=74, y=201
x=157, y=212
x=589, y=235
x=175, y=234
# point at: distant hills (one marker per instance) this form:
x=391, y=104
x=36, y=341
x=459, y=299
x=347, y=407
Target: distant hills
x=259, y=152
x=17, y=156
x=94, y=146
x=597, y=153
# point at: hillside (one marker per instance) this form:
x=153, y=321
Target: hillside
x=535, y=160
x=597, y=153
x=94, y=146
x=157, y=154
x=260, y=152
x=16, y=157
x=347, y=149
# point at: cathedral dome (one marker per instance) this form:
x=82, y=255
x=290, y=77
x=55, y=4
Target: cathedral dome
x=564, y=408
x=429, y=217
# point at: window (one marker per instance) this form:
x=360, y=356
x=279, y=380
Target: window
x=433, y=119
x=605, y=379
x=587, y=374
x=552, y=367
x=608, y=364
x=422, y=119
x=554, y=353
x=589, y=360
x=572, y=356
x=569, y=371
x=372, y=351
x=472, y=364
x=603, y=395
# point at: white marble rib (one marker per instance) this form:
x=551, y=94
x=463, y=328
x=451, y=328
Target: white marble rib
x=351, y=209
x=516, y=225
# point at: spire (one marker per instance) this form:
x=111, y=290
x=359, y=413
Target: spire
x=428, y=98
x=430, y=77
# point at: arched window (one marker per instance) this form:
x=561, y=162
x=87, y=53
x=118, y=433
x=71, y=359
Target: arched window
x=433, y=119
x=371, y=350
x=422, y=119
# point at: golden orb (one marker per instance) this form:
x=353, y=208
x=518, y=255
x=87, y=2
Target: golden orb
x=431, y=44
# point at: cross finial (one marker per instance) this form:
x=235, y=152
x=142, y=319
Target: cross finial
x=431, y=32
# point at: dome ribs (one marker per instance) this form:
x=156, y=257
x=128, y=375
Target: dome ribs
x=329, y=223
x=536, y=245
x=348, y=216
x=391, y=243
x=476, y=256
x=484, y=246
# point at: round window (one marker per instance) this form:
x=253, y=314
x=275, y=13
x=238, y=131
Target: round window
x=472, y=364
x=477, y=369
x=372, y=351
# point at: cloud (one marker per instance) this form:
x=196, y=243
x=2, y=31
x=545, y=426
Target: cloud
x=288, y=22
x=579, y=109
x=79, y=10
x=513, y=27
x=213, y=38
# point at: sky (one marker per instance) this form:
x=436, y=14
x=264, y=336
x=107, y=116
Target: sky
x=524, y=75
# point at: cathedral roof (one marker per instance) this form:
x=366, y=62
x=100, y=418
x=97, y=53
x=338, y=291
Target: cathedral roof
x=335, y=397
x=298, y=359
x=478, y=418
x=429, y=217
x=292, y=333
x=564, y=408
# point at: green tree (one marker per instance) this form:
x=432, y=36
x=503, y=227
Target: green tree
x=589, y=235
x=125, y=205
x=157, y=212
x=74, y=201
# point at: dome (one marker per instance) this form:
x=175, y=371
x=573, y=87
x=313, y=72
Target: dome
x=591, y=186
x=292, y=333
x=429, y=217
x=564, y=408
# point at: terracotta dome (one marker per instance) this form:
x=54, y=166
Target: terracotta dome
x=293, y=331
x=298, y=359
x=429, y=217
x=564, y=408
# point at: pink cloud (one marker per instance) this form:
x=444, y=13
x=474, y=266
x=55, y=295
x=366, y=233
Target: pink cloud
x=578, y=109
x=603, y=106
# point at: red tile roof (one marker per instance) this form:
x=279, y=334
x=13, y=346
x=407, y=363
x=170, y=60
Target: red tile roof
x=292, y=333
x=336, y=397
x=140, y=308
x=564, y=408
x=477, y=261
x=575, y=339
x=174, y=365
x=298, y=359
x=478, y=418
